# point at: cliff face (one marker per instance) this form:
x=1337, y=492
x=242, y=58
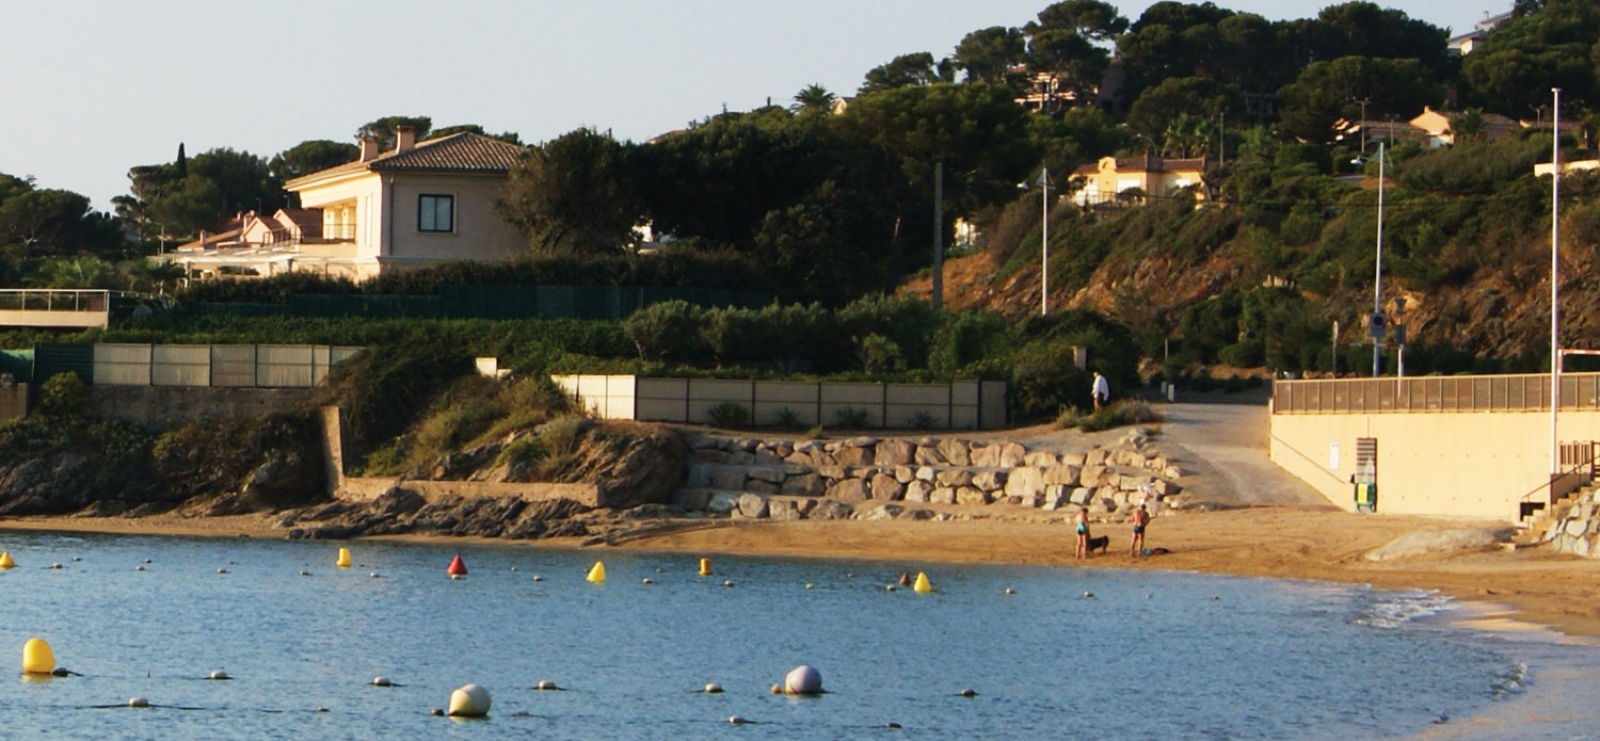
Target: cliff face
x=70, y=464
x=1501, y=313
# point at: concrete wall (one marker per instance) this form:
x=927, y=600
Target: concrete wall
x=13, y=400
x=232, y=366
x=164, y=407
x=1440, y=463
x=961, y=405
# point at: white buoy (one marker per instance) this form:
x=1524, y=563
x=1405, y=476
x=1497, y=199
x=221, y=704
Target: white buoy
x=810, y=585
x=803, y=680
x=382, y=682
x=1088, y=595
x=713, y=688
x=469, y=701
x=305, y=573
x=727, y=584
x=219, y=675
x=737, y=720
x=1009, y=590
x=536, y=577
x=222, y=571
x=55, y=566
x=546, y=685
x=375, y=575
x=647, y=580
x=138, y=702
x=138, y=568
x=968, y=692
x=889, y=587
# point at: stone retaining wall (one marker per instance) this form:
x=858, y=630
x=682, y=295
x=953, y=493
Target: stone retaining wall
x=786, y=479
x=1577, y=531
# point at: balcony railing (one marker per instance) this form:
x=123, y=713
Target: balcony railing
x=1507, y=393
x=55, y=300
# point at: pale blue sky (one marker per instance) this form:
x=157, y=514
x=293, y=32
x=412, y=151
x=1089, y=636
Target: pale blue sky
x=93, y=87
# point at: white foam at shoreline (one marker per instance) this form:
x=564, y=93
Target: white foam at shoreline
x=1395, y=609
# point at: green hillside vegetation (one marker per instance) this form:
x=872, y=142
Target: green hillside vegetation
x=829, y=209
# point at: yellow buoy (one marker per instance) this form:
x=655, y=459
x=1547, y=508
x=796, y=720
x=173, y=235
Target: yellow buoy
x=597, y=574
x=5, y=560
x=922, y=586
x=37, y=658
x=344, y=558
x=705, y=567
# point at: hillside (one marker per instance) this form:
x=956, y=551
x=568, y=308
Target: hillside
x=1269, y=274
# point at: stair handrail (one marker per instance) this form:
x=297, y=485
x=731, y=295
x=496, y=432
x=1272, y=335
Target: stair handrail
x=1589, y=464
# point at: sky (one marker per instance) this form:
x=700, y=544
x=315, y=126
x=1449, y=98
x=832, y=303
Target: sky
x=92, y=88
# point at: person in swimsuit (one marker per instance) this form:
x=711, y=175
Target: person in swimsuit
x=1081, y=522
x=1141, y=518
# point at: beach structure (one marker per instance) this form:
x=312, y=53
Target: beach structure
x=1462, y=446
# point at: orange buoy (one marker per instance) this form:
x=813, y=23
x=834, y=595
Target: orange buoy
x=457, y=567
x=705, y=567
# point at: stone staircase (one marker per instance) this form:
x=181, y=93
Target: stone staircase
x=924, y=478
x=1571, y=524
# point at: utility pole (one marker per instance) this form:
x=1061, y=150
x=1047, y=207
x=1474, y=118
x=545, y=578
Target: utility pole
x=938, y=235
x=1555, y=281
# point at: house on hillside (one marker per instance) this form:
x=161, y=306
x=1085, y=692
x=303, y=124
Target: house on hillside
x=422, y=203
x=1436, y=126
x=1464, y=43
x=1137, y=178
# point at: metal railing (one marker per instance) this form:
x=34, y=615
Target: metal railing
x=1577, y=470
x=1504, y=393
x=55, y=299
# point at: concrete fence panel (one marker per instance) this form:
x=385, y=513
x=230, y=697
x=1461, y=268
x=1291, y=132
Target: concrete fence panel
x=992, y=405
x=285, y=366
x=916, y=406
x=180, y=365
x=964, y=405
x=846, y=401
x=233, y=365
x=801, y=400
x=706, y=394
x=122, y=365
x=958, y=405
x=661, y=399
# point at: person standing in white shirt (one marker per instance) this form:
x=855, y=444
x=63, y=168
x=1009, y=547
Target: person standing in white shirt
x=1101, y=390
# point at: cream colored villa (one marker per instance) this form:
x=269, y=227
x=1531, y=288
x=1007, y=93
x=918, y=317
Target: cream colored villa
x=422, y=203
x=1150, y=176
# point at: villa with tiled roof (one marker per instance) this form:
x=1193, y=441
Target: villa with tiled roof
x=419, y=204
x=1136, y=178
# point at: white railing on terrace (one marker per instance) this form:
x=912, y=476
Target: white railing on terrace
x=1501, y=393
x=55, y=299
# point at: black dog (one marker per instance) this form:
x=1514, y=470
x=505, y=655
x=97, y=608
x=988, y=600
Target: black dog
x=1100, y=543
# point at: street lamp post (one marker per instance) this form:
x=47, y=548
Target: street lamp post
x=1376, y=325
x=1044, y=272
x=1555, y=280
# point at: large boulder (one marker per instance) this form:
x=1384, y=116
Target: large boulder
x=955, y=451
x=849, y=490
x=894, y=453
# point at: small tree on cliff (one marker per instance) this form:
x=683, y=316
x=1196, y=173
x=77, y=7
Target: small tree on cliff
x=64, y=394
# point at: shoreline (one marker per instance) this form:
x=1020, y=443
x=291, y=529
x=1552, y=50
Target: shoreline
x=1520, y=591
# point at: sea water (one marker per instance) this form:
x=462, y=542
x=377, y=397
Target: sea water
x=1071, y=653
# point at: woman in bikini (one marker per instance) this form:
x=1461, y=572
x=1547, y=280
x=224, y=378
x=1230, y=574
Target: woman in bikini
x=1082, y=526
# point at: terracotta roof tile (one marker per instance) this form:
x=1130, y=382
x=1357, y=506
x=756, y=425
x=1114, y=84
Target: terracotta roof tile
x=460, y=152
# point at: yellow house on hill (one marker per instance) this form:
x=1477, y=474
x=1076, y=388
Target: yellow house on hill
x=420, y=204
x=1147, y=175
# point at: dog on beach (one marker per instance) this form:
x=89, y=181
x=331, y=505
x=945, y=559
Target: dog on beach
x=1099, y=543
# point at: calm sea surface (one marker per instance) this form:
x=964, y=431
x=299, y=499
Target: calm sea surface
x=1151, y=655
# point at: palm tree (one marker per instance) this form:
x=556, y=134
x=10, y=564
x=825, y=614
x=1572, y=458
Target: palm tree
x=813, y=98
x=74, y=272
x=1468, y=125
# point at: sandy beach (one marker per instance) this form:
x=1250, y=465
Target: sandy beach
x=1270, y=525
